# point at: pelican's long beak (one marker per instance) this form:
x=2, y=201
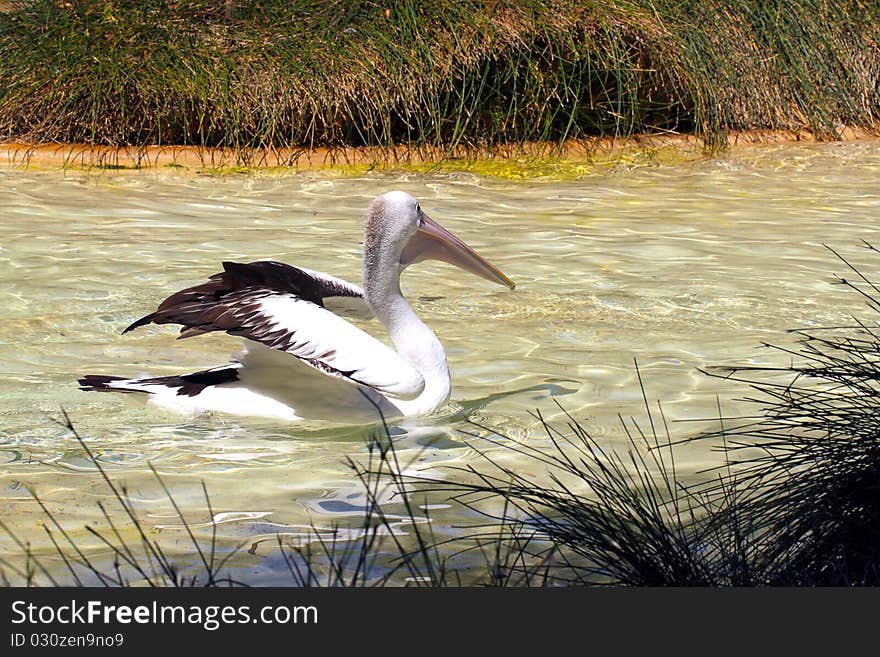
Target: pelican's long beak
x=433, y=242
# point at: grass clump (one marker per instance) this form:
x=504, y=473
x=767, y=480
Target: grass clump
x=606, y=517
x=813, y=490
x=796, y=501
x=275, y=74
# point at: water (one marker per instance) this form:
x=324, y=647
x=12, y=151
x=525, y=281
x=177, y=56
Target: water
x=678, y=266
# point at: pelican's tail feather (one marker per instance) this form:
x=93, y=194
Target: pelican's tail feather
x=101, y=383
x=189, y=385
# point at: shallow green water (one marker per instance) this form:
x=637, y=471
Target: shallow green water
x=680, y=267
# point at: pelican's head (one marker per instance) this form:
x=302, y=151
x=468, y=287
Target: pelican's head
x=398, y=229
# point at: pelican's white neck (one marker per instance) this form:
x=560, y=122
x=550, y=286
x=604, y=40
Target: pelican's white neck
x=411, y=337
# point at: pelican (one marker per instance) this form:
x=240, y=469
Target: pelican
x=301, y=361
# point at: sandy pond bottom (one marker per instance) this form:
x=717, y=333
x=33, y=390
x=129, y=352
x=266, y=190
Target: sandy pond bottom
x=678, y=266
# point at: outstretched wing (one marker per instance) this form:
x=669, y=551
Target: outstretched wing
x=195, y=307
x=282, y=307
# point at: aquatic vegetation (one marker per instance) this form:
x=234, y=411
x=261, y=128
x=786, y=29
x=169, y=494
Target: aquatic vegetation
x=437, y=77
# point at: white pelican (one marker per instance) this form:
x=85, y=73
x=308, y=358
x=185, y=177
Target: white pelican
x=301, y=361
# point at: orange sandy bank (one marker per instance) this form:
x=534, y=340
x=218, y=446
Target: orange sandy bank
x=199, y=158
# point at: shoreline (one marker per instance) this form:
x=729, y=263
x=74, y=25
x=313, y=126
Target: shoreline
x=586, y=152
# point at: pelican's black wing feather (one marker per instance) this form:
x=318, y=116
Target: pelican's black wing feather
x=202, y=308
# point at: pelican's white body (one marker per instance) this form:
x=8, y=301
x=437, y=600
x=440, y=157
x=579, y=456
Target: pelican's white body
x=274, y=385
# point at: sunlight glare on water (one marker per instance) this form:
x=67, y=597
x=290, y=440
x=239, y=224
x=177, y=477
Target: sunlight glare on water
x=678, y=266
